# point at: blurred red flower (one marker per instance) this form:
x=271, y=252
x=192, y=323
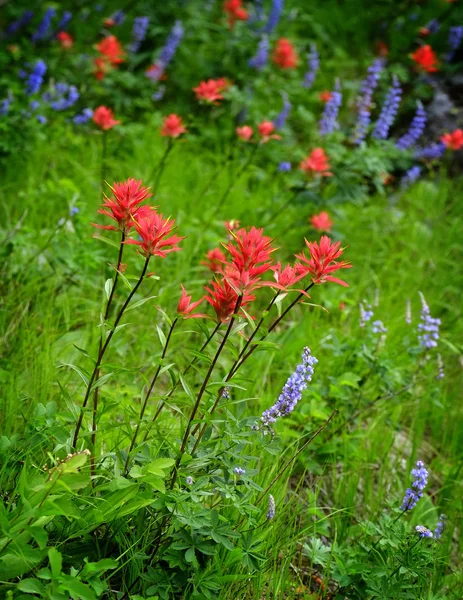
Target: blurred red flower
x=111, y=48
x=426, y=59
x=65, y=39
x=215, y=260
x=210, y=91
x=104, y=118
x=285, y=55
x=454, y=140
x=266, y=129
x=322, y=261
x=316, y=162
x=322, y=221
x=244, y=133
x=173, y=126
x=325, y=96
x=235, y=11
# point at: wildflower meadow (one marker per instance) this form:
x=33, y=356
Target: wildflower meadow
x=230, y=309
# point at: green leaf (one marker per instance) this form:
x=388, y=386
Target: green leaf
x=139, y=303
x=82, y=374
x=101, y=381
x=31, y=586
x=108, y=286
x=56, y=562
x=77, y=589
x=161, y=336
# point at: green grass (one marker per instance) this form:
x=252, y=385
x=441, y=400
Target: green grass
x=398, y=245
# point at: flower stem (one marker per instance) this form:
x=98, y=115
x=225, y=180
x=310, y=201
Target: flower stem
x=148, y=394
x=104, y=151
x=103, y=350
x=162, y=165
x=237, y=178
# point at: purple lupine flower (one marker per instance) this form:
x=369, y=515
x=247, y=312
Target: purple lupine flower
x=118, y=17
x=292, y=390
x=454, y=40
x=366, y=314
x=41, y=119
x=378, y=327
x=64, y=21
x=20, y=23
x=226, y=392
x=410, y=177
x=440, y=368
x=415, y=492
x=73, y=211
x=139, y=29
x=428, y=327
x=271, y=507
x=313, y=66
x=33, y=105
x=329, y=121
x=189, y=480
x=260, y=59
x=440, y=526
x=388, y=111
x=408, y=312
x=364, y=100
x=423, y=531
x=83, y=117
x=168, y=51
x=239, y=471
x=416, y=129
x=44, y=26
x=432, y=26
x=274, y=16
x=280, y=121
x=432, y=152
x=159, y=95
x=258, y=11
x=284, y=166
x=5, y=106
x=62, y=96
x=35, y=79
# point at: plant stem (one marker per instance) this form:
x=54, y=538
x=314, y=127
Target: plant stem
x=279, y=210
x=104, y=348
x=237, y=178
x=407, y=550
x=162, y=165
x=201, y=392
x=148, y=394
x=100, y=346
x=104, y=151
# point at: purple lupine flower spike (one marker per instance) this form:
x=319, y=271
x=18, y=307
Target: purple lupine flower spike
x=415, y=492
x=365, y=99
x=366, y=314
x=415, y=131
x=139, y=29
x=260, y=59
x=292, y=391
x=440, y=527
x=428, y=327
x=239, y=471
x=454, y=41
x=118, y=17
x=388, y=111
x=83, y=117
x=280, y=120
x=313, y=66
x=5, y=106
x=64, y=21
x=44, y=26
x=328, y=122
x=378, y=327
x=274, y=16
x=432, y=152
x=20, y=23
x=423, y=531
x=410, y=177
x=168, y=51
x=62, y=96
x=440, y=368
x=35, y=79
x=284, y=166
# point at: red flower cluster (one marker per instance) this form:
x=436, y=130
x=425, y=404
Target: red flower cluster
x=210, y=91
x=285, y=55
x=322, y=221
x=111, y=55
x=65, y=39
x=325, y=96
x=322, y=261
x=316, y=162
x=266, y=129
x=154, y=232
x=426, y=59
x=173, y=126
x=454, y=140
x=186, y=307
x=124, y=205
x=235, y=11
x=104, y=118
x=245, y=132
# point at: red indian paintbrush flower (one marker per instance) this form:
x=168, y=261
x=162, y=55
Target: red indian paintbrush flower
x=154, y=230
x=124, y=205
x=316, y=162
x=223, y=299
x=250, y=250
x=454, y=140
x=325, y=96
x=104, y=118
x=426, y=59
x=235, y=11
x=173, y=126
x=322, y=221
x=286, y=277
x=111, y=48
x=215, y=260
x=102, y=66
x=266, y=129
x=65, y=39
x=186, y=307
x=285, y=55
x=244, y=133
x=322, y=261
x=211, y=90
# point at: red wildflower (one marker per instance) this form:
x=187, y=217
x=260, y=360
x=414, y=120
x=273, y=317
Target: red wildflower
x=232, y=226
x=173, y=126
x=65, y=39
x=454, y=140
x=322, y=261
x=287, y=277
x=285, y=55
x=104, y=118
x=124, y=205
x=216, y=260
x=102, y=66
x=266, y=129
x=382, y=48
x=108, y=22
x=186, y=306
x=154, y=231
x=111, y=48
x=316, y=162
x=235, y=11
x=387, y=178
x=325, y=96
x=223, y=298
x=322, y=221
x=210, y=91
x=426, y=59
x=424, y=31
x=244, y=133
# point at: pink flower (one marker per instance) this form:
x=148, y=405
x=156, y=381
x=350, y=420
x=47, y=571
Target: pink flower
x=266, y=129
x=244, y=133
x=104, y=118
x=316, y=162
x=186, y=306
x=173, y=126
x=322, y=221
